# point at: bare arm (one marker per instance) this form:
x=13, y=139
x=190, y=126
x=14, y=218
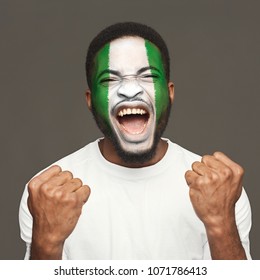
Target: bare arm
x=55, y=202
x=215, y=186
x=225, y=243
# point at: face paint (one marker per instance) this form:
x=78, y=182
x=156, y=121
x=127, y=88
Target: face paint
x=100, y=93
x=130, y=93
x=160, y=85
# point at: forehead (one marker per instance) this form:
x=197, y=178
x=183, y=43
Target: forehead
x=128, y=54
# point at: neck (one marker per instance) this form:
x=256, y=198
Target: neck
x=110, y=154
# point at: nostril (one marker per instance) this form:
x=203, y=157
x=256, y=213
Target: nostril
x=129, y=95
x=129, y=90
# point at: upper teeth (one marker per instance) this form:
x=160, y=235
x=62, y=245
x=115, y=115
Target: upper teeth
x=130, y=111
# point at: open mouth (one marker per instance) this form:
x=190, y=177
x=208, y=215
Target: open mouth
x=133, y=120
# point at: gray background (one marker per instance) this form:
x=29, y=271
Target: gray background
x=214, y=47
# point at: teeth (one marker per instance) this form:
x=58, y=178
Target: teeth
x=129, y=111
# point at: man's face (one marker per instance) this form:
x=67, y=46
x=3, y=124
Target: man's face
x=130, y=94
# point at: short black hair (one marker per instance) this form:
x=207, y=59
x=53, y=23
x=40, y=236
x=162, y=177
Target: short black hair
x=122, y=29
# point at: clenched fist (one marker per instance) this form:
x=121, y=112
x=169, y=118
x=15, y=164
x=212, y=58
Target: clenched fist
x=215, y=186
x=55, y=202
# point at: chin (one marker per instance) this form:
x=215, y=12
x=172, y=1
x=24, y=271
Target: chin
x=135, y=153
x=137, y=147
x=140, y=157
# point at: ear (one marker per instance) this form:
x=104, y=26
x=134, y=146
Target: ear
x=88, y=99
x=171, y=91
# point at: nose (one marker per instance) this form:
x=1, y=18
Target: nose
x=130, y=89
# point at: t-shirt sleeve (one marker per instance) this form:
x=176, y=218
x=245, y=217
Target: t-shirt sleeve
x=25, y=222
x=243, y=221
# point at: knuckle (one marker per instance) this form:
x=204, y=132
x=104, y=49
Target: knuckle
x=45, y=187
x=205, y=158
x=72, y=200
x=34, y=183
x=59, y=195
x=214, y=177
x=192, y=194
x=77, y=181
x=227, y=172
x=87, y=191
x=48, y=192
x=56, y=167
x=217, y=154
x=207, y=180
x=240, y=171
x=67, y=174
x=187, y=174
x=63, y=197
x=201, y=181
x=194, y=164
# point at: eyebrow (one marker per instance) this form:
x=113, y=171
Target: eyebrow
x=117, y=73
x=109, y=71
x=143, y=69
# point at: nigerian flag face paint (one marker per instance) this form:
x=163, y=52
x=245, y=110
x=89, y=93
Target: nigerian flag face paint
x=130, y=92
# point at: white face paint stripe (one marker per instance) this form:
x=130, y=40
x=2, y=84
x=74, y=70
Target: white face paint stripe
x=127, y=55
x=128, y=64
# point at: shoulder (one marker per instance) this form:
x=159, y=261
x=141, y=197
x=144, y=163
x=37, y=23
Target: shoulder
x=181, y=154
x=76, y=159
x=79, y=157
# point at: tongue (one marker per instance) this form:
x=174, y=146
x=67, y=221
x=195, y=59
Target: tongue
x=133, y=124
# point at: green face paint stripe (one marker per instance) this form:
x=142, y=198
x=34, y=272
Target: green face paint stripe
x=160, y=85
x=99, y=92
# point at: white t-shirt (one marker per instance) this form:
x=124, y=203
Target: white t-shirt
x=136, y=213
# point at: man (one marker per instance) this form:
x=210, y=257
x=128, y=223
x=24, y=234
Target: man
x=150, y=198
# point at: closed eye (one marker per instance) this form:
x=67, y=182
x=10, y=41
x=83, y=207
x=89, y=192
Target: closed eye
x=107, y=81
x=149, y=78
